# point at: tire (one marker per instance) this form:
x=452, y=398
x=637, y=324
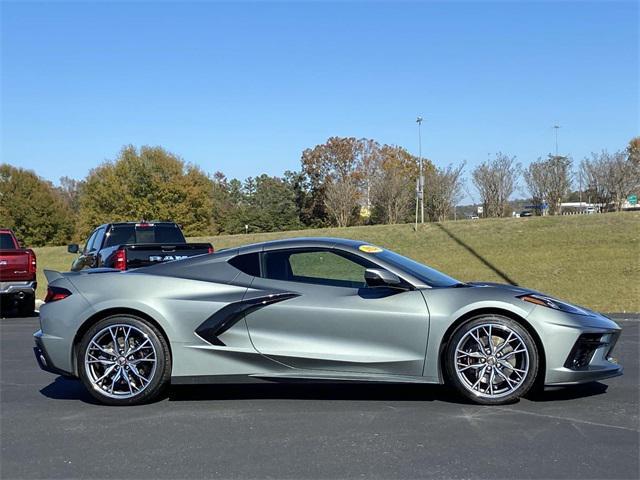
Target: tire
x=494, y=374
x=27, y=306
x=121, y=378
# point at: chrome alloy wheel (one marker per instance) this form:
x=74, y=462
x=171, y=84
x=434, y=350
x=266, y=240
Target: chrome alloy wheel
x=120, y=361
x=491, y=360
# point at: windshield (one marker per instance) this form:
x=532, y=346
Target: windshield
x=6, y=242
x=428, y=275
x=146, y=233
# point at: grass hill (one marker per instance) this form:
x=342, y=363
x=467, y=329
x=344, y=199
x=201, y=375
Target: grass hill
x=592, y=260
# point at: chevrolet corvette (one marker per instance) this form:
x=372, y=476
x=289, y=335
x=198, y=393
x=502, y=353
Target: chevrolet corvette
x=308, y=310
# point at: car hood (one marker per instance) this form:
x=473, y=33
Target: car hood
x=517, y=290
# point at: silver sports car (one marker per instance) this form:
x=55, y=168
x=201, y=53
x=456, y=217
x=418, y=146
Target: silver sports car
x=312, y=309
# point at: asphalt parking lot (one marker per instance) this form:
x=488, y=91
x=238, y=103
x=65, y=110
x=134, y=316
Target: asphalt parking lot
x=50, y=428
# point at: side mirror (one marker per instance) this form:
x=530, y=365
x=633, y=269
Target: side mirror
x=73, y=248
x=379, y=277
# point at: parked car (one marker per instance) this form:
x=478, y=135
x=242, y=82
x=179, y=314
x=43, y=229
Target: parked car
x=17, y=274
x=313, y=310
x=127, y=245
x=526, y=213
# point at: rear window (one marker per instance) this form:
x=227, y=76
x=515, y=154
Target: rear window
x=166, y=234
x=6, y=242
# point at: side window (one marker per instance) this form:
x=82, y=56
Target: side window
x=97, y=241
x=248, y=263
x=89, y=244
x=317, y=266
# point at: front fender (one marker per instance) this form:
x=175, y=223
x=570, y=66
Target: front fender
x=448, y=305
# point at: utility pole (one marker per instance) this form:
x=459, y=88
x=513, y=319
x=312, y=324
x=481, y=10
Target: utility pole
x=421, y=175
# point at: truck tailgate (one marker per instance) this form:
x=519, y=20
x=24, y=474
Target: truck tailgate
x=14, y=265
x=144, y=254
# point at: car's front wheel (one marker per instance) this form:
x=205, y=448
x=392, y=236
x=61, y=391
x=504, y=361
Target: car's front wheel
x=491, y=359
x=124, y=360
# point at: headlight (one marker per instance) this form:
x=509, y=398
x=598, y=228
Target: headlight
x=553, y=303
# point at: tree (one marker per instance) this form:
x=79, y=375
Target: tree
x=70, y=190
x=371, y=163
x=549, y=180
x=33, y=208
x=393, y=189
x=611, y=177
x=633, y=150
x=341, y=199
x=263, y=204
x=443, y=188
x=271, y=205
x=150, y=184
x=496, y=180
x=335, y=164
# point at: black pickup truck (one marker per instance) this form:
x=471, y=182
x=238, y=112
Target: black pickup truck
x=131, y=245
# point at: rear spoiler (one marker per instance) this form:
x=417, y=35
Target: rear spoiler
x=52, y=275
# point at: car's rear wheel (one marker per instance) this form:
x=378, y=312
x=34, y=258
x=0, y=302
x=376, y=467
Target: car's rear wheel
x=492, y=360
x=124, y=360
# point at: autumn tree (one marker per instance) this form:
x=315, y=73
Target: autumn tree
x=549, y=180
x=149, y=183
x=394, y=181
x=333, y=172
x=33, y=208
x=496, y=180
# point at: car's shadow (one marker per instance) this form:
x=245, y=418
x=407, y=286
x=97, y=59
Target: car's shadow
x=316, y=391
x=555, y=394
x=70, y=389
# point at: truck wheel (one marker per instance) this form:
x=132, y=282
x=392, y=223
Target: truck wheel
x=124, y=360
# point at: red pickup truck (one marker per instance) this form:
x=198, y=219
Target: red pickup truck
x=17, y=274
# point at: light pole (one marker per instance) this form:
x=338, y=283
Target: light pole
x=420, y=192
x=556, y=128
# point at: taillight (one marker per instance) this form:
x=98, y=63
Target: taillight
x=210, y=250
x=32, y=262
x=56, y=293
x=120, y=261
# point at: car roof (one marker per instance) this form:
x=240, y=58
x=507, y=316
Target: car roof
x=301, y=242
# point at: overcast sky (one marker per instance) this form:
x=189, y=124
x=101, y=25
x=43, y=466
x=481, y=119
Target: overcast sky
x=245, y=87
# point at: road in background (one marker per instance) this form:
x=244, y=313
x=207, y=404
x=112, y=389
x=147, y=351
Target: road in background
x=51, y=428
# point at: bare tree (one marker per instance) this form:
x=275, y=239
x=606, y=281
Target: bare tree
x=443, y=188
x=496, y=180
x=550, y=180
x=370, y=166
x=341, y=198
x=633, y=150
x=611, y=177
x=393, y=188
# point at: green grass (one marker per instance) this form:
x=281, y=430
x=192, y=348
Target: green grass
x=592, y=260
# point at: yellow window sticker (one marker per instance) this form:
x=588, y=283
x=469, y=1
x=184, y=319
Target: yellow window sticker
x=369, y=249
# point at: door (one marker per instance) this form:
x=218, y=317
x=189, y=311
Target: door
x=337, y=323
